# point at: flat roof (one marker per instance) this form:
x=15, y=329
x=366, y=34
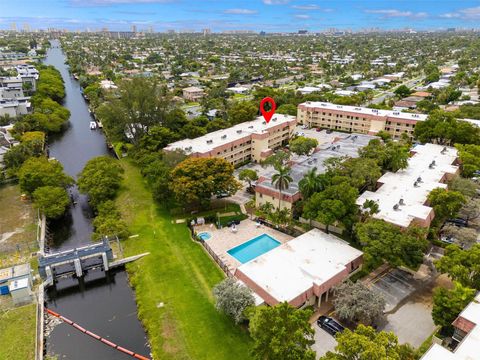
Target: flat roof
x=14, y=271
x=295, y=266
x=468, y=349
x=400, y=185
x=214, y=139
x=341, y=146
x=365, y=111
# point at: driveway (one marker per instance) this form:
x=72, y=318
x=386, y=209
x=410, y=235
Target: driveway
x=409, y=305
x=323, y=341
x=394, y=286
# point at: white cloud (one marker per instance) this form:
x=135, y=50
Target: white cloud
x=466, y=14
x=240, y=11
x=302, y=16
x=276, y=2
x=392, y=13
x=306, y=7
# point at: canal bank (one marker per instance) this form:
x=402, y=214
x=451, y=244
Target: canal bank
x=103, y=304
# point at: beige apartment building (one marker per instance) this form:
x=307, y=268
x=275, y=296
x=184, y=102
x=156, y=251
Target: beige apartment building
x=193, y=93
x=250, y=141
x=357, y=119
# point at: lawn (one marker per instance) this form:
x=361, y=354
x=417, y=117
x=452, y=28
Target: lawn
x=17, y=227
x=17, y=334
x=179, y=274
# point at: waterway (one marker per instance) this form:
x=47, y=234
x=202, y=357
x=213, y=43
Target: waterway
x=102, y=304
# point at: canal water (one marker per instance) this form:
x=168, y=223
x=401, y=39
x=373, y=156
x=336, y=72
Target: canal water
x=102, y=304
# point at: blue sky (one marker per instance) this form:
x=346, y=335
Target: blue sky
x=218, y=15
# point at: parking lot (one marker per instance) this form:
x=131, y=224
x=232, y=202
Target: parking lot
x=409, y=305
x=394, y=286
x=324, y=342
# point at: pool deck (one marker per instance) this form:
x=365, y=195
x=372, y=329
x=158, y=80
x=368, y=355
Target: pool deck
x=224, y=239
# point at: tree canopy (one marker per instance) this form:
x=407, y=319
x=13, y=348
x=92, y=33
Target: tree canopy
x=442, y=128
x=282, y=332
x=461, y=265
x=355, y=302
x=233, y=299
x=383, y=241
x=37, y=172
x=367, y=344
x=51, y=200
x=196, y=180
x=302, y=145
x=447, y=304
x=100, y=179
x=335, y=203
x=445, y=203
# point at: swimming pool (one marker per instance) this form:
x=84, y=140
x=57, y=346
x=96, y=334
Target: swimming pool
x=254, y=248
x=204, y=236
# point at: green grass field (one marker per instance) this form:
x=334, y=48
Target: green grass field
x=180, y=274
x=17, y=333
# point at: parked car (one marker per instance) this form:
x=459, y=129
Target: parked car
x=222, y=195
x=458, y=222
x=318, y=129
x=330, y=325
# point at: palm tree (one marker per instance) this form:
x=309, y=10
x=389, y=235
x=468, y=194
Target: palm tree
x=311, y=183
x=281, y=180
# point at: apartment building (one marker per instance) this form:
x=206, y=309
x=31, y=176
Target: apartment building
x=357, y=119
x=402, y=196
x=302, y=271
x=343, y=145
x=245, y=142
x=193, y=93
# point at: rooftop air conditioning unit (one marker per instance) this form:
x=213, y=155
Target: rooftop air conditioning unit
x=250, y=127
x=419, y=179
x=264, y=122
x=224, y=136
x=239, y=131
x=401, y=202
x=209, y=141
x=444, y=150
x=415, y=184
x=395, y=207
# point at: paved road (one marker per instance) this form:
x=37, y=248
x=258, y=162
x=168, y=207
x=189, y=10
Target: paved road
x=323, y=341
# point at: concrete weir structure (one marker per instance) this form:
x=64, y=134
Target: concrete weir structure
x=75, y=261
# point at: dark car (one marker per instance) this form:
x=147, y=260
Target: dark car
x=458, y=222
x=329, y=325
x=222, y=195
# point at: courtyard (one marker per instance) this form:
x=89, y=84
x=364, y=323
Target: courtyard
x=224, y=239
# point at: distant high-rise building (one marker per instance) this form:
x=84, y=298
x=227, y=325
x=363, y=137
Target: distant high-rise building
x=13, y=26
x=171, y=31
x=150, y=29
x=206, y=32
x=451, y=30
x=263, y=33
x=302, y=32
x=26, y=27
x=134, y=28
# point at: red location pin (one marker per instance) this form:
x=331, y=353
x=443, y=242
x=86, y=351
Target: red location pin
x=267, y=115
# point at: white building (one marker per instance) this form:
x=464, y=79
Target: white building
x=402, y=196
x=301, y=271
x=467, y=333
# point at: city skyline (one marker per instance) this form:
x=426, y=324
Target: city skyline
x=256, y=15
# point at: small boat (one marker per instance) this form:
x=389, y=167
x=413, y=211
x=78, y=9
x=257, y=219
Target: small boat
x=99, y=124
x=93, y=125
